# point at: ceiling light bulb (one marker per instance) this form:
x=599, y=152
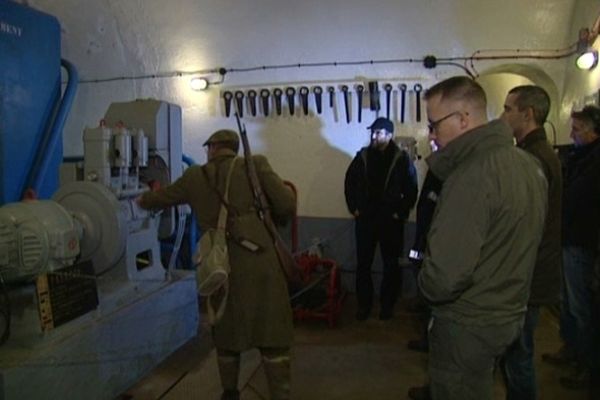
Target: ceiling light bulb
x=198, y=83
x=587, y=60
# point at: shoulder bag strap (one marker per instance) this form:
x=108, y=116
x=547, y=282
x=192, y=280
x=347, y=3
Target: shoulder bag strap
x=222, y=222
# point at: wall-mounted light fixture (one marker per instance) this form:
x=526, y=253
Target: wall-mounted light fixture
x=199, y=83
x=587, y=56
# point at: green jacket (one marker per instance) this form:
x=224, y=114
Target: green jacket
x=487, y=225
x=258, y=311
x=545, y=285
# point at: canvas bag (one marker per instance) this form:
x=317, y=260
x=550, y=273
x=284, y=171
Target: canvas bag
x=212, y=261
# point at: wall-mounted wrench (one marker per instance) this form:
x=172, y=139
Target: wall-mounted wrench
x=264, y=96
x=388, y=99
x=239, y=100
x=304, y=98
x=359, y=96
x=290, y=93
x=344, y=89
x=277, y=92
x=418, y=88
x=252, y=101
x=403, y=89
x=318, y=92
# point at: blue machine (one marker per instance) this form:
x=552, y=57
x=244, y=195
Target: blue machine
x=141, y=312
x=30, y=83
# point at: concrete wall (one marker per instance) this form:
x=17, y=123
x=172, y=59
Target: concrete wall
x=108, y=39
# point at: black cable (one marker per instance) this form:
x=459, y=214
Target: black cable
x=471, y=74
x=523, y=54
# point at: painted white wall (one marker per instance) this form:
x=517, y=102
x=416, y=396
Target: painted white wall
x=115, y=38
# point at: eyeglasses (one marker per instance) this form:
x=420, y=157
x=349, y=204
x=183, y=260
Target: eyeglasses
x=432, y=126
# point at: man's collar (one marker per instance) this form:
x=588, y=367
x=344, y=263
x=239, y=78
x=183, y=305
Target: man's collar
x=535, y=135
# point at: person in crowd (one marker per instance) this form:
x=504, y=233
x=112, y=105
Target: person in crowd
x=258, y=312
x=483, y=241
x=525, y=111
x=581, y=225
x=380, y=188
x=430, y=192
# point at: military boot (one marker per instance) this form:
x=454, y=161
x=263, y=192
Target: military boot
x=229, y=371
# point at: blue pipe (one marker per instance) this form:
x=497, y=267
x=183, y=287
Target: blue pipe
x=188, y=160
x=54, y=135
x=193, y=226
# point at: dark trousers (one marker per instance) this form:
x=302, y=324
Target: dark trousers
x=518, y=362
x=576, y=322
x=389, y=234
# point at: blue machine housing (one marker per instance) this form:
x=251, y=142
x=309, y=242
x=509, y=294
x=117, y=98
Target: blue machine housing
x=30, y=87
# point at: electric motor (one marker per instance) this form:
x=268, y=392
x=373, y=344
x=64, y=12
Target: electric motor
x=36, y=237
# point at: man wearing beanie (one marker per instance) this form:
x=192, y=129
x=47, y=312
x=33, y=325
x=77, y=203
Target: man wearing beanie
x=380, y=189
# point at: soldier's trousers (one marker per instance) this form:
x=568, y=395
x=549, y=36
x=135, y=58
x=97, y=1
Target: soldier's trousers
x=276, y=362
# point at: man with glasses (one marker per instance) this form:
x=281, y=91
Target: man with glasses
x=380, y=188
x=482, y=243
x=525, y=111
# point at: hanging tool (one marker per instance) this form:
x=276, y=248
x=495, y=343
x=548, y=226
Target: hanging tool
x=402, y=88
x=304, y=99
x=277, y=94
x=264, y=96
x=418, y=88
x=388, y=99
x=290, y=92
x=331, y=91
x=227, y=96
x=346, y=104
x=359, y=95
x=318, y=91
x=239, y=100
x=252, y=101
x=374, y=96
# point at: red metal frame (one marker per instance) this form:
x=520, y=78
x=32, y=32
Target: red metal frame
x=310, y=265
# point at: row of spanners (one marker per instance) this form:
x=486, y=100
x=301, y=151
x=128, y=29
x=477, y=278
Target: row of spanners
x=274, y=96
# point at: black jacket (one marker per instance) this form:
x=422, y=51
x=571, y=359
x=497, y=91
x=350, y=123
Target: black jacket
x=430, y=191
x=581, y=197
x=399, y=184
x=545, y=284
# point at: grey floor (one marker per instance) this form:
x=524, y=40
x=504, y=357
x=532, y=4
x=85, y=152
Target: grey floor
x=354, y=361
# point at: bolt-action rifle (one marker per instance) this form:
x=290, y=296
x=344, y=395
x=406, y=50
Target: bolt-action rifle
x=286, y=260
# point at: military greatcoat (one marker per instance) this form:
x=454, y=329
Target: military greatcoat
x=258, y=312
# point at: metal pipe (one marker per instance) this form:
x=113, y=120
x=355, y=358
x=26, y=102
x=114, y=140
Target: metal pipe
x=52, y=138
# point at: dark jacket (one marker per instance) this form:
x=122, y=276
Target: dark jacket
x=399, y=182
x=545, y=285
x=258, y=311
x=581, y=197
x=487, y=226
x=430, y=192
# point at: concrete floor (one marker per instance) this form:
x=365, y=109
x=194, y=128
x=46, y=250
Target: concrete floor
x=355, y=361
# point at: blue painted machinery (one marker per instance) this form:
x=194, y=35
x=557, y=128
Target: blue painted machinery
x=142, y=311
